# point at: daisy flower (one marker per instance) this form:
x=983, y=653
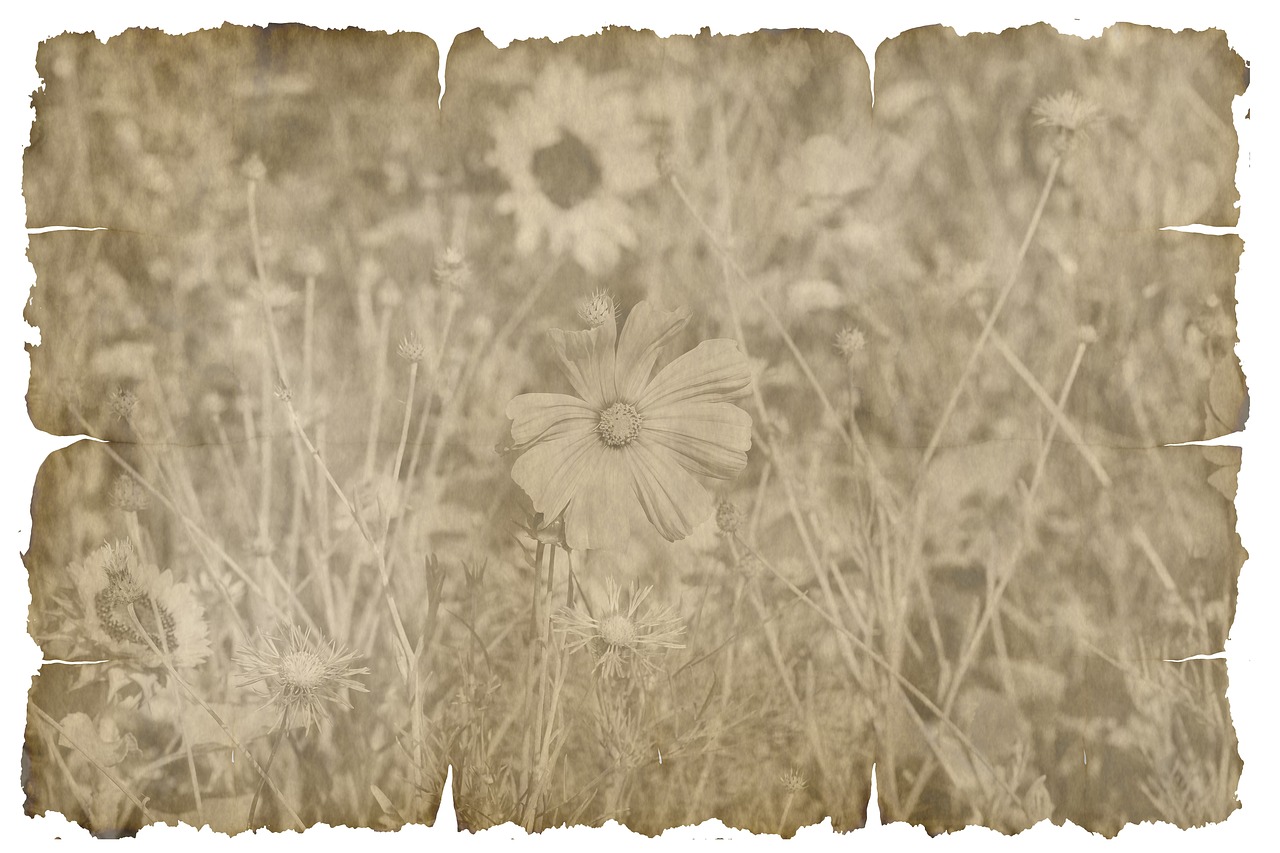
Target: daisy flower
x=626, y=638
x=630, y=437
x=571, y=151
x=114, y=586
x=302, y=675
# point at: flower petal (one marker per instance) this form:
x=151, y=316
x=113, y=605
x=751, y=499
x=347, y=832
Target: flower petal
x=710, y=439
x=647, y=330
x=546, y=417
x=714, y=371
x=552, y=472
x=597, y=515
x=587, y=359
x=673, y=500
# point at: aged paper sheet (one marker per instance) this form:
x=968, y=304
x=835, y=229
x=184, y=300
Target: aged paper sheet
x=650, y=431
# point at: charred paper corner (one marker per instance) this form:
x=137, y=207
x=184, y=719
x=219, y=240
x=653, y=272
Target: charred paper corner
x=650, y=432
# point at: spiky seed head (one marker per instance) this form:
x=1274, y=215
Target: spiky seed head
x=728, y=517
x=793, y=782
x=303, y=675
x=254, y=169
x=411, y=348
x=452, y=270
x=122, y=404
x=850, y=341
x=1069, y=114
x=597, y=308
x=283, y=392
x=127, y=494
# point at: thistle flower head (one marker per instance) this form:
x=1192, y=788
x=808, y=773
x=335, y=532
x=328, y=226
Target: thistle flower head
x=1070, y=114
x=849, y=342
x=597, y=308
x=452, y=269
x=254, y=169
x=302, y=675
x=793, y=782
x=728, y=517
x=411, y=348
x=283, y=392
x=122, y=402
x=626, y=638
x=127, y=494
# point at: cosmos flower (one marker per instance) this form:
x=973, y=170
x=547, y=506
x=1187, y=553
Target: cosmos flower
x=114, y=587
x=630, y=437
x=572, y=152
x=302, y=675
x=626, y=638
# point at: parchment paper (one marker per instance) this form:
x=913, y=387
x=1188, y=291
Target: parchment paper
x=915, y=509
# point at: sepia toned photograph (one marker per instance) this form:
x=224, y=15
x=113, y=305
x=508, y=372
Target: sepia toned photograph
x=639, y=428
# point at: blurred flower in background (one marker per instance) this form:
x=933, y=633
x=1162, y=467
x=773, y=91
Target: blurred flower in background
x=572, y=151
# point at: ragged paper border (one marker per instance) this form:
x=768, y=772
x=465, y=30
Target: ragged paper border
x=1255, y=636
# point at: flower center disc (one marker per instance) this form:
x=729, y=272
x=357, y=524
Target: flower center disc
x=619, y=424
x=302, y=672
x=567, y=172
x=618, y=630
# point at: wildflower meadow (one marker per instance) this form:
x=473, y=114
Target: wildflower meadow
x=652, y=431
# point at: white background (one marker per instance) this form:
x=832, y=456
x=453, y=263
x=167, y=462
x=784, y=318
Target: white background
x=1250, y=650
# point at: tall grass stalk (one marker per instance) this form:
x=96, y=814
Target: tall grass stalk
x=988, y=327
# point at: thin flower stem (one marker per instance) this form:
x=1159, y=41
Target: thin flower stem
x=404, y=440
x=996, y=593
x=892, y=671
x=433, y=389
x=111, y=777
x=1055, y=410
x=281, y=728
x=545, y=759
x=379, y=389
x=545, y=727
x=266, y=459
x=855, y=440
x=182, y=722
x=786, y=810
x=213, y=715
x=407, y=658
x=990, y=324
x=260, y=268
